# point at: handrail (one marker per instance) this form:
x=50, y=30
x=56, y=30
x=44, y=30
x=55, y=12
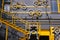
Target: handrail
x=14, y=12
x=13, y=26
x=26, y=6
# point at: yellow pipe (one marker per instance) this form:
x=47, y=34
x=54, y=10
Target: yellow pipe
x=2, y=5
x=51, y=33
x=16, y=6
x=6, y=32
x=58, y=3
x=14, y=12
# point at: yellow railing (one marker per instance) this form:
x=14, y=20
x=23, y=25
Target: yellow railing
x=13, y=26
x=19, y=29
x=14, y=12
x=19, y=6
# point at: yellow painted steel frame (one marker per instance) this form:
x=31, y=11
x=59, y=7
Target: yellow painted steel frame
x=13, y=26
x=47, y=33
x=2, y=5
x=40, y=32
x=43, y=32
x=6, y=33
x=58, y=3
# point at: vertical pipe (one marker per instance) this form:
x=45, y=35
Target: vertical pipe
x=54, y=6
x=2, y=5
x=51, y=33
x=58, y=4
x=6, y=32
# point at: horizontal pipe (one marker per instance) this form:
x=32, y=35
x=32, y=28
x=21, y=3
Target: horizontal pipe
x=14, y=12
x=27, y=6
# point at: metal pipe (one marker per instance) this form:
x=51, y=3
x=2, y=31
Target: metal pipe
x=6, y=32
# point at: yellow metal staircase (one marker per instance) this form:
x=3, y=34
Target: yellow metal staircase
x=13, y=26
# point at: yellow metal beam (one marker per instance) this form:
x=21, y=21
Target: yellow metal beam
x=14, y=12
x=51, y=33
x=58, y=3
x=44, y=33
x=27, y=6
x=13, y=26
x=6, y=32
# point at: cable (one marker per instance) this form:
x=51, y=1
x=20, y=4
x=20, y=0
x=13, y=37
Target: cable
x=47, y=13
